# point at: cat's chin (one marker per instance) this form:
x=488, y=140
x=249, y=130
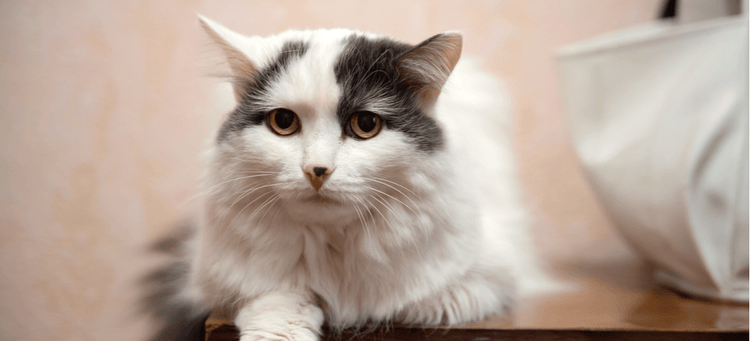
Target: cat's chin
x=319, y=199
x=318, y=208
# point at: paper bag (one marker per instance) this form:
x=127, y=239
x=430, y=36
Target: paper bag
x=659, y=119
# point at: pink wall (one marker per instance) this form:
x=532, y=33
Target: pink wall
x=106, y=105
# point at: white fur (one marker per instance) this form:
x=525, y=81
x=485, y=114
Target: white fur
x=422, y=238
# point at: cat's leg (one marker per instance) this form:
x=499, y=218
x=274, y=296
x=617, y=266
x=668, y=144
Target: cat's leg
x=280, y=316
x=479, y=293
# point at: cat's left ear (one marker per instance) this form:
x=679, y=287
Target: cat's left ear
x=238, y=49
x=426, y=67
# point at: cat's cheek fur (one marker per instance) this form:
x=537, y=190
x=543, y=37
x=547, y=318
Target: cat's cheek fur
x=259, y=142
x=388, y=152
x=280, y=155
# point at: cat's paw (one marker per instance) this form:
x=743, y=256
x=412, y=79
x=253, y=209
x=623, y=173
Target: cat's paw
x=280, y=316
x=290, y=333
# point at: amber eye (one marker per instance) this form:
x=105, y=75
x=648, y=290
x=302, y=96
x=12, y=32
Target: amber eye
x=282, y=121
x=365, y=124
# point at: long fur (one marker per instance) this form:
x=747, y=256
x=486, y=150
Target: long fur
x=421, y=224
x=181, y=318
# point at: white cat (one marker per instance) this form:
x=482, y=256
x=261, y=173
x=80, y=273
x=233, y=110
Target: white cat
x=359, y=179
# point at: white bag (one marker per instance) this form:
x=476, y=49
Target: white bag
x=659, y=118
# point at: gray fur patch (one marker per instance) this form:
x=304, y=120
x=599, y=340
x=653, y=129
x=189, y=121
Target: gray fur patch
x=179, y=319
x=367, y=71
x=248, y=112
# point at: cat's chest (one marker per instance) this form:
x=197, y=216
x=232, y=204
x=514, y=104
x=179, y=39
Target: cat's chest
x=333, y=258
x=328, y=247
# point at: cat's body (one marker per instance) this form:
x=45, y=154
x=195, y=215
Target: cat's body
x=305, y=221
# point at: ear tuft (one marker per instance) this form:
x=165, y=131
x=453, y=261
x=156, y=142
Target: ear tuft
x=230, y=42
x=426, y=67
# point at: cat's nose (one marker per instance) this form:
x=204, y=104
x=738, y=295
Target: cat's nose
x=317, y=174
x=319, y=171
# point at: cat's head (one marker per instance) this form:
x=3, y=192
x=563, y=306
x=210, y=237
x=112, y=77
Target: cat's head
x=329, y=118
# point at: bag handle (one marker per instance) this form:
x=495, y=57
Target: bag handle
x=688, y=11
x=668, y=9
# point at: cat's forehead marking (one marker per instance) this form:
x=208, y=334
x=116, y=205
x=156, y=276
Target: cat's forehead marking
x=254, y=105
x=309, y=82
x=369, y=78
x=297, y=72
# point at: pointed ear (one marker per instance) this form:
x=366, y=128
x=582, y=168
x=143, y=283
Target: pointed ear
x=232, y=44
x=426, y=67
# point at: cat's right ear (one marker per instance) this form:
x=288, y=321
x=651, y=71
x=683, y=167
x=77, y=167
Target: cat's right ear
x=237, y=50
x=426, y=67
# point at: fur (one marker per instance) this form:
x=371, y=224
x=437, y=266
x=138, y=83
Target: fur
x=421, y=224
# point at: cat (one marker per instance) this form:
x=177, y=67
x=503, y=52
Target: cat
x=358, y=180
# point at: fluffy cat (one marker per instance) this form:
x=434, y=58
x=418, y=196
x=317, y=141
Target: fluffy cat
x=359, y=179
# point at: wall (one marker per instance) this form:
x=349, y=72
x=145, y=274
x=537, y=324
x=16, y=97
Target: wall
x=105, y=107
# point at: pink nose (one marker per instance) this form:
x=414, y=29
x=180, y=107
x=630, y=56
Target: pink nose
x=317, y=174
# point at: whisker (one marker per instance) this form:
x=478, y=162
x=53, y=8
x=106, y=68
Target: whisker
x=207, y=190
x=248, y=204
x=248, y=192
x=394, y=183
x=387, y=222
x=378, y=179
x=364, y=207
x=276, y=211
x=381, y=214
x=390, y=196
x=273, y=199
x=388, y=205
x=362, y=221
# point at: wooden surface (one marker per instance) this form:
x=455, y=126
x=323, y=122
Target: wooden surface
x=228, y=333
x=615, y=301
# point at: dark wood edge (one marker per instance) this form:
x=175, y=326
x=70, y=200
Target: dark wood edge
x=229, y=333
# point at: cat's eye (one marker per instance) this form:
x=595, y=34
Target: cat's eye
x=365, y=124
x=282, y=121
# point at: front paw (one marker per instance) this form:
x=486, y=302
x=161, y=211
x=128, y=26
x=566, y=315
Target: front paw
x=280, y=316
x=280, y=333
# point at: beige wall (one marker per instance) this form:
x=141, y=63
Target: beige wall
x=105, y=107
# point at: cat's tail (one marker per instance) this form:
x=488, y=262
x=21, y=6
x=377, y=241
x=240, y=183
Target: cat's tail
x=167, y=298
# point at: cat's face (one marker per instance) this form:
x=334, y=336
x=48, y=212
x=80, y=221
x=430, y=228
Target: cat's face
x=330, y=118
